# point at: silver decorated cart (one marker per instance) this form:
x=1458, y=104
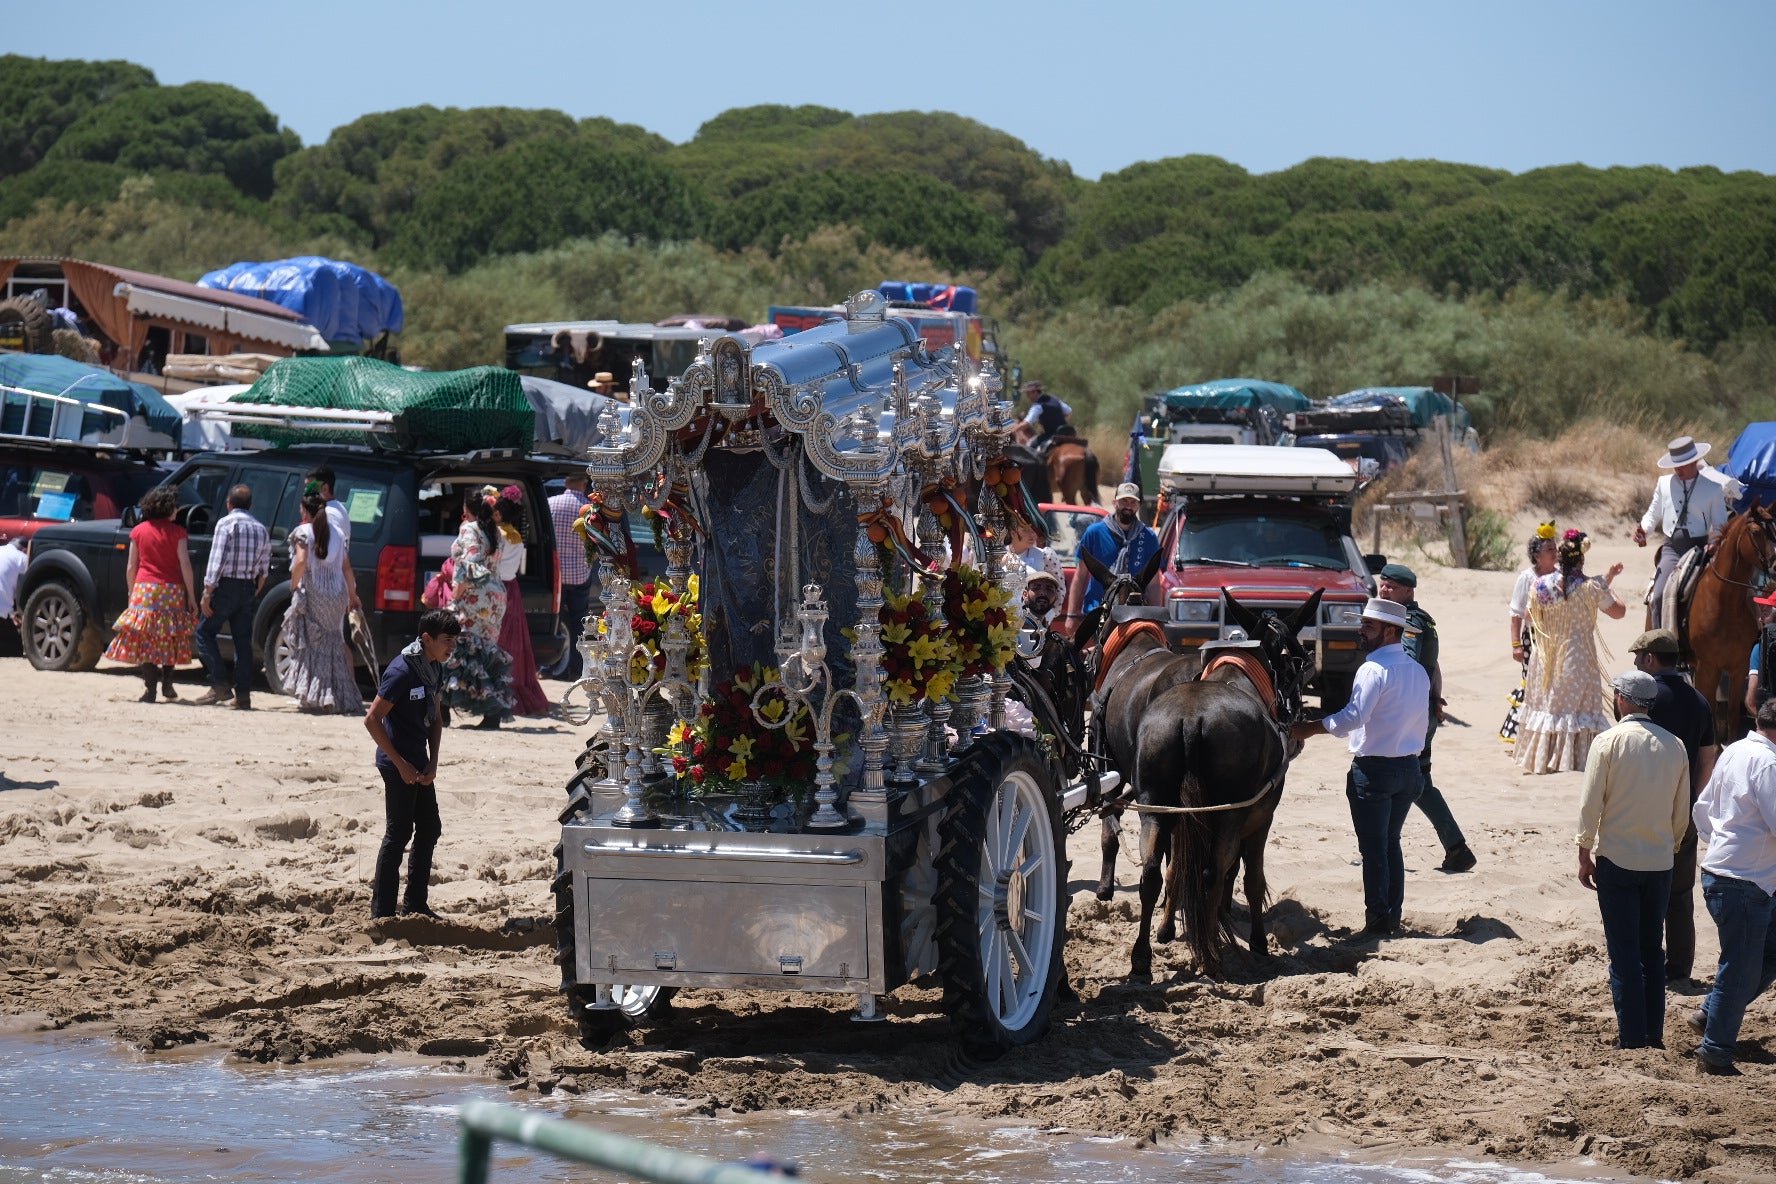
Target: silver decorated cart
x=796, y=480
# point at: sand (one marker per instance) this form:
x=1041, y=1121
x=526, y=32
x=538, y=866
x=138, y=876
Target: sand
x=179, y=874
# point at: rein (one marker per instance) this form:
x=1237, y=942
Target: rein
x=1769, y=530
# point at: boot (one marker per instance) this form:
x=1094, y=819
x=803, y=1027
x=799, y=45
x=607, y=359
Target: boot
x=166, y=684
x=489, y=722
x=150, y=675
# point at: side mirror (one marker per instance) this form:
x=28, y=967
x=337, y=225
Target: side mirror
x=131, y=516
x=1375, y=563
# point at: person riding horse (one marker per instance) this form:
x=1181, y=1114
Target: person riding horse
x=1045, y=419
x=1689, y=507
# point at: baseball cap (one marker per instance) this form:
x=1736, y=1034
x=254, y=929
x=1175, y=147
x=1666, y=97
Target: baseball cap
x=1127, y=489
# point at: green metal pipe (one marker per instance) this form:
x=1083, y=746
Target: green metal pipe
x=484, y=1121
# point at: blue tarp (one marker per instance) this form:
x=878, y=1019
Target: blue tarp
x=952, y=297
x=1752, y=459
x=347, y=303
x=1424, y=403
x=52, y=374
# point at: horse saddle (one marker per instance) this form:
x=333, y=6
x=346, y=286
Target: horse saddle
x=1680, y=590
x=1063, y=435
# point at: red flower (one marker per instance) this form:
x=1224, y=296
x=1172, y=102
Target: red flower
x=697, y=774
x=680, y=764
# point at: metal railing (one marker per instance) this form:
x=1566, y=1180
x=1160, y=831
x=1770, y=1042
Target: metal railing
x=483, y=1122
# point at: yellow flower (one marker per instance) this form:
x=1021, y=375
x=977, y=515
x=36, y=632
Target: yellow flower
x=923, y=649
x=737, y=770
x=662, y=607
x=679, y=733
x=741, y=748
x=691, y=586
x=772, y=709
x=900, y=692
x=895, y=634
x=939, y=685
x=796, y=732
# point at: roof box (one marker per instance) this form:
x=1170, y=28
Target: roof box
x=1254, y=468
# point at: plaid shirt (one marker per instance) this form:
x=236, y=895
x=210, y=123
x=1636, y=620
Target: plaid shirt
x=564, y=509
x=240, y=550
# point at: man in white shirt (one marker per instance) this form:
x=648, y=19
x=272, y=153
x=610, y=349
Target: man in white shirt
x=12, y=565
x=1632, y=818
x=1689, y=507
x=1736, y=826
x=1385, y=721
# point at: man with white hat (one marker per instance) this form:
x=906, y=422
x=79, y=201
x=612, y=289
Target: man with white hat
x=1121, y=542
x=1689, y=507
x=1386, y=721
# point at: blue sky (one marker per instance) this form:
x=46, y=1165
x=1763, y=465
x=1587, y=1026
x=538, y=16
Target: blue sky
x=1101, y=85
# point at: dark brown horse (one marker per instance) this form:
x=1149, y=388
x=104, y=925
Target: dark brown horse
x=1204, y=759
x=1073, y=471
x=1722, y=624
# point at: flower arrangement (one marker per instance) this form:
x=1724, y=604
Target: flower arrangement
x=979, y=616
x=727, y=746
x=655, y=607
x=920, y=658
x=603, y=529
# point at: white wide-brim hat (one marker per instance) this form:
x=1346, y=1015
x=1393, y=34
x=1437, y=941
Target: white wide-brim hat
x=1682, y=451
x=1385, y=611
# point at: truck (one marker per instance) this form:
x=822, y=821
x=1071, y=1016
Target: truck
x=1224, y=411
x=1383, y=424
x=1271, y=526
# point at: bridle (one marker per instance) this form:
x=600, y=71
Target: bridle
x=1761, y=558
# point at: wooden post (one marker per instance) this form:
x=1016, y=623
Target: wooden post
x=1458, y=529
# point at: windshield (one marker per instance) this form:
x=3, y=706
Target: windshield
x=1262, y=540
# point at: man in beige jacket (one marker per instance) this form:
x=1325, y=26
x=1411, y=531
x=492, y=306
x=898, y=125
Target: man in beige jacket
x=1632, y=817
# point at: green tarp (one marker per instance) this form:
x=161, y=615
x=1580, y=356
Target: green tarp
x=1424, y=403
x=449, y=411
x=1237, y=393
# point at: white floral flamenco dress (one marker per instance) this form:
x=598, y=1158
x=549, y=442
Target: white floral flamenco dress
x=1564, y=707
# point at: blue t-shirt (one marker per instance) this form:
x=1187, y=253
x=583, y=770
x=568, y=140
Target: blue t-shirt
x=409, y=721
x=1102, y=544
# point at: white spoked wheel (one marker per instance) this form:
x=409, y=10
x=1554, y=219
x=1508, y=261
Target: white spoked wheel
x=1002, y=900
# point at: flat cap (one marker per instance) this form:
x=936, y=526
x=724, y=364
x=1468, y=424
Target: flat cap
x=1655, y=641
x=1399, y=573
x=1637, y=686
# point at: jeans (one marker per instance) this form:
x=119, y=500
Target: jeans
x=576, y=600
x=1745, y=915
x=1431, y=803
x=412, y=812
x=1633, y=908
x=1680, y=911
x=231, y=607
x=1381, y=790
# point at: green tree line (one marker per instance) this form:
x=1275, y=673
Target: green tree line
x=1166, y=272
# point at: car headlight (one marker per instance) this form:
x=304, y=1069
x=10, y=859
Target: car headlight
x=1194, y=611
x=1344, y=615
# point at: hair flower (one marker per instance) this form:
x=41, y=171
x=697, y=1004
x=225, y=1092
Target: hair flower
x=1545, y=530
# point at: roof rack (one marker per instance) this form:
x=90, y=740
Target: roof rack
x=45, y=420
x=310, y=418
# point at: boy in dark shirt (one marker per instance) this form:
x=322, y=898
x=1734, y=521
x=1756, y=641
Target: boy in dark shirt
x=407, y=728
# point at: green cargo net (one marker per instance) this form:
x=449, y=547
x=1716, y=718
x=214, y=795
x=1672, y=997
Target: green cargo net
x=451, y=411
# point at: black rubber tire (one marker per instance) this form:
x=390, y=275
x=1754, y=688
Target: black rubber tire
x=1335, y=690
x=273, y=652
x=58, y=631
x=639, y=1005
x=38, y=329
x=1008, y=760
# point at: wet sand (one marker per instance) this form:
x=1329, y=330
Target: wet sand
x=181, y=874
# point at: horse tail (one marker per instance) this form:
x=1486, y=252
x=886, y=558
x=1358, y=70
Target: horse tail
x=1091, y=476
x=1193, y=880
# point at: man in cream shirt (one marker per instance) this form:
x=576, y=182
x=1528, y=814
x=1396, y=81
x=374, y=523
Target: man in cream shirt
x=1633, y=815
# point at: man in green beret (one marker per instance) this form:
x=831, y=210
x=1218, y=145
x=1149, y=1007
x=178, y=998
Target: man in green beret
x=1399, y=584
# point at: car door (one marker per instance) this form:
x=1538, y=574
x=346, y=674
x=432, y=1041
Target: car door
x=202, y=491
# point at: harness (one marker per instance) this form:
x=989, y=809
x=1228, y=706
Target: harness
x=1248, y=664
x=1119, y=639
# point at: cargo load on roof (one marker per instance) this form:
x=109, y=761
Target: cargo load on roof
x=347, y=304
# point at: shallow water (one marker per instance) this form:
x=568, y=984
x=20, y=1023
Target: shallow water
x=81, y=1110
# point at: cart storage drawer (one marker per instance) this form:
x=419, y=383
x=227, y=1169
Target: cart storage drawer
x=680, y=927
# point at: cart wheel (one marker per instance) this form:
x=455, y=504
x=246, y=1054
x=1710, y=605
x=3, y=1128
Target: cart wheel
x=1002, y=897
x=634, y=1005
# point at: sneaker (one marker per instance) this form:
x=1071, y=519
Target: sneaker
x=1697, y=1019
x=212, y=696
x=1457, y=859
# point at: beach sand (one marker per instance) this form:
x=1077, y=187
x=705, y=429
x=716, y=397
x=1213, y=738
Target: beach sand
x=180, y=874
